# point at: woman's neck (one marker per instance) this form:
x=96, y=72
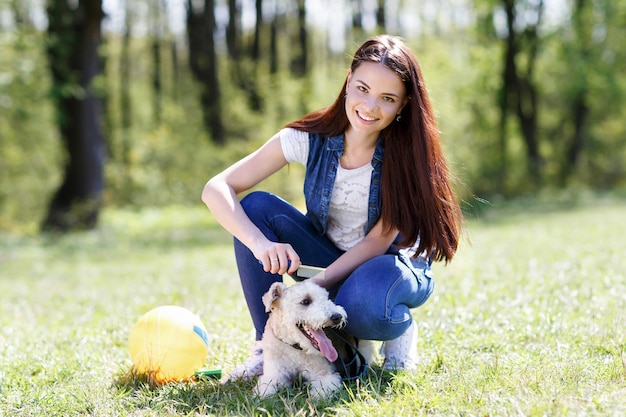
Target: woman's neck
x=359, y=139
x=358, y=149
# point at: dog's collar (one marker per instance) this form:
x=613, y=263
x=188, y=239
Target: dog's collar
x=294, y=345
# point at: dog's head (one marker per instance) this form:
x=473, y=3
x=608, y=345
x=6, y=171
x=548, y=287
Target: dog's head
x=299, y=314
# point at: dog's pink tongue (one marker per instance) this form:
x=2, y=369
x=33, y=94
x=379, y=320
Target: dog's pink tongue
x=326, y=346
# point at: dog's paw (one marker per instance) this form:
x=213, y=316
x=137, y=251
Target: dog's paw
x=267, y=386
x=324, y=387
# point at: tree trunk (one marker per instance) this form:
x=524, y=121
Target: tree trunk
x=175, y=68
x=527, y=115
x=580, y=113
x=203, y=63
x=233, y=30
x=74, y=37
x=521, y=86
x=583, y=48
x=158, y=23
x=507, y=93
x=300, y=63
x=157, y=90
x=125, y=101
x=274, y=41
x=244, y=76
x=381, y=19
x=357, y=16
x=256, y=45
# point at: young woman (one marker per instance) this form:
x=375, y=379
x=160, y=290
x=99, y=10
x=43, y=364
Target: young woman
x=380, y=208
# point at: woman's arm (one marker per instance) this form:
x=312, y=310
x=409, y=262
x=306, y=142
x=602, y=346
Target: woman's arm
x=220, y=196
x=375, y=243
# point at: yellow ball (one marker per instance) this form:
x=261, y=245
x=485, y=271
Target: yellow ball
x=168, y=343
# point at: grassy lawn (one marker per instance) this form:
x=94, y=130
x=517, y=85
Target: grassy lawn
x=528, y=320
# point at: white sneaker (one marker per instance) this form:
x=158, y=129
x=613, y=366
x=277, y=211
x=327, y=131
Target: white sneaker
x=252, y=367
x=401, y=353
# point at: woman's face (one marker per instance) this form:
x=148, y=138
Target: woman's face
x=374, y=96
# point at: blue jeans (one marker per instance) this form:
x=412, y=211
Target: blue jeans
x=377, y=296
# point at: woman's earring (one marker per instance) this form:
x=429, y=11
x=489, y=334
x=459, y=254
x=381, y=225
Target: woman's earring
x=398, y=117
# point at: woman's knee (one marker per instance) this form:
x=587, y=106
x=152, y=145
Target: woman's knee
x=364, y=323
x=369, y=314
x=255, y=201
x=261, y=206
x=379, y=295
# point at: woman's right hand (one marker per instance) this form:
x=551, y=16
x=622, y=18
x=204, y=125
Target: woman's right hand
x=277, y=258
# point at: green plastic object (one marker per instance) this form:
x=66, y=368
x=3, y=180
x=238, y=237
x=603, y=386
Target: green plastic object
x=208, y=373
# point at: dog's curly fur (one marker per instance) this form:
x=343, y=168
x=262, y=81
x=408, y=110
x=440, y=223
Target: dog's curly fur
x=294, y=344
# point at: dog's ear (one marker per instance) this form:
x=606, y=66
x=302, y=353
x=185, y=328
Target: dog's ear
x=275, y=292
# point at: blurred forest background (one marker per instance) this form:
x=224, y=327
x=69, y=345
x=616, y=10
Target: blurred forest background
x=138, y=102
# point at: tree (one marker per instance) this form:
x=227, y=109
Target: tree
x=357, y=16
x=258, y=25
x=580, y=51
x=381, y=16
x=74, y=38
x=300, y=62
x=246, y=77
x=157, y=23
x=233, y=30
x=518, y=94
x=273, y=48
x=203, y=63
x=125, y=103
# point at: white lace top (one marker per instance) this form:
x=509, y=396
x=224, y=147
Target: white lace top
x=347, y=214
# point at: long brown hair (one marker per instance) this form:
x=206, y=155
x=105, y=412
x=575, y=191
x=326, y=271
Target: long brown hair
x=417, y=198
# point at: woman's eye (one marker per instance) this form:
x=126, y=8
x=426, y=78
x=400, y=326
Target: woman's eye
x=361, y=88
x=388, y=99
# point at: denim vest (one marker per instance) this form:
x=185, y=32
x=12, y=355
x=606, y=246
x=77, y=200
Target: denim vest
x=319, y=180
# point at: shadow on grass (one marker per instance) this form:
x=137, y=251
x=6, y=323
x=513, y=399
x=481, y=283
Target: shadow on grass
x=211, y=396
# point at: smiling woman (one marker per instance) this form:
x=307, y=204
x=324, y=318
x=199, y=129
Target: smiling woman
x=380, y=208
x=375, y=96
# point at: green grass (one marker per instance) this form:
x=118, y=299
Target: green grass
x=528, y=320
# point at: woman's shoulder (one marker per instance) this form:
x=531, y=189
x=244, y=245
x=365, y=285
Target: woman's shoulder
x=295, y=144
x=290, y=133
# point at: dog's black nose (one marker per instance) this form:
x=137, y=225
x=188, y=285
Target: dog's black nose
x=336, y=318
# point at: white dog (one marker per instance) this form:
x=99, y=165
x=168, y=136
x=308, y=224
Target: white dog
x=294, y=342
